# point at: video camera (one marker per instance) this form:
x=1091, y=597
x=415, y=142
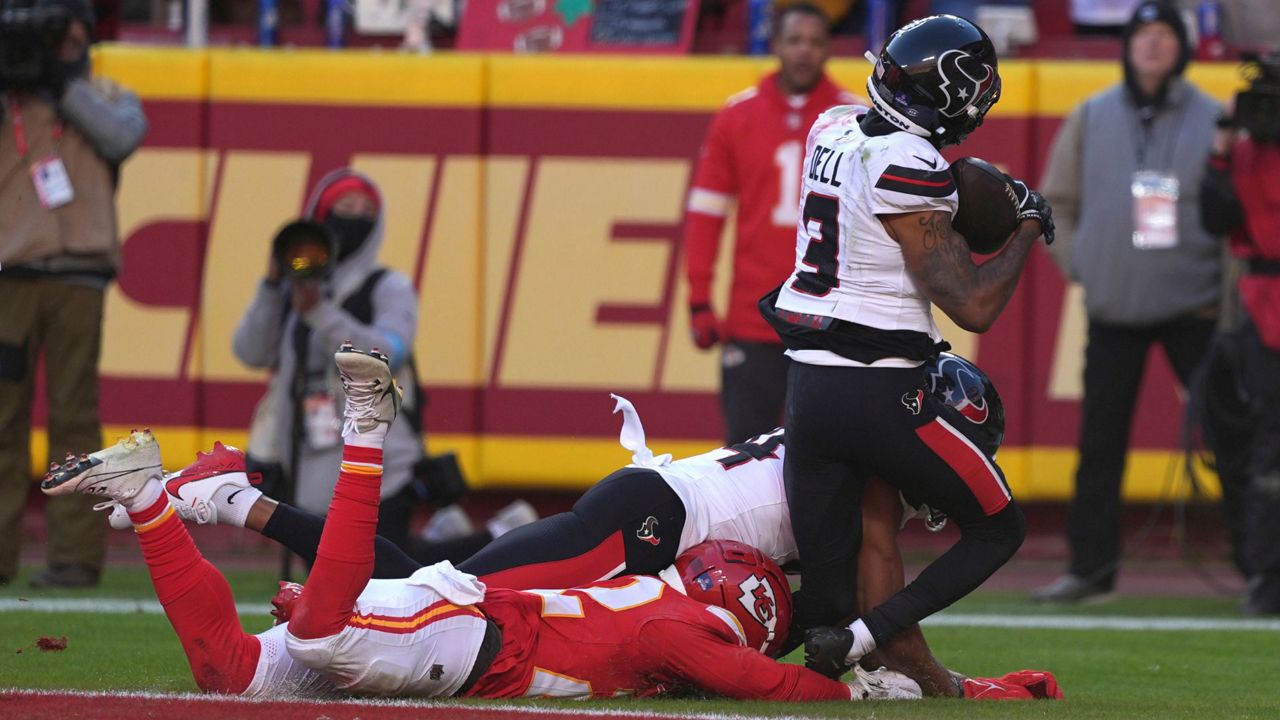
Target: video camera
x=30, y=33
x=305, y=250
x=1258, y=108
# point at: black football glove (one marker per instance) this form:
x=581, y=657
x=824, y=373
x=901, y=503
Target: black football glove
x=1033, y=206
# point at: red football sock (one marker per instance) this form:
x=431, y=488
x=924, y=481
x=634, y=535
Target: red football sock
x=197, y=600
x=344, y=559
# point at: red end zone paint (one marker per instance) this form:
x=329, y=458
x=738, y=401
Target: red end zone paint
x=70, y=705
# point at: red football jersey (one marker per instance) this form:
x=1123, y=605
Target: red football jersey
x=754, y=153
x=631, y=636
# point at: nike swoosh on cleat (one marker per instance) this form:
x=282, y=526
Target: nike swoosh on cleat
x=103, y=477
x=231, y=499
x=184, y=480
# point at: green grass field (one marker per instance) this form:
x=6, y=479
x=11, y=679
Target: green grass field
x=1165, y=674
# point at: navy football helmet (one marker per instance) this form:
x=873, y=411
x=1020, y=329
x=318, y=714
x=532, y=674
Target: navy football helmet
x=961, y=385
x=936, y=77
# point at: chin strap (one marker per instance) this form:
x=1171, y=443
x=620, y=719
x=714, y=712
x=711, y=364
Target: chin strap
x=894, y=117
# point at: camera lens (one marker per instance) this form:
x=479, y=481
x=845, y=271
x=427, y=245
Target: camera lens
x=305, y=260
x=304, y=251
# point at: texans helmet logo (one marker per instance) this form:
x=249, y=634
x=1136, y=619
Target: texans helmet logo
x=913, y=401
x=964, y=390
x=964, y=80
x=645, y=532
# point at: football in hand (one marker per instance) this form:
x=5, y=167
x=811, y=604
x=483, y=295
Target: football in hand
x=988, y=212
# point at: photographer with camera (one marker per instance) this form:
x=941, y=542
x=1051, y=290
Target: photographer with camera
x=323, y=287
x=62, y=139
x=1240, y=196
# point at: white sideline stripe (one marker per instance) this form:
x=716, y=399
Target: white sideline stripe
x=107, y=606
x=1088, y=622
x=520, y=710
x=121, y=606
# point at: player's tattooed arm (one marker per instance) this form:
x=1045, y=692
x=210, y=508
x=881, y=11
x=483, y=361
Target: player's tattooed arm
x=939, y=261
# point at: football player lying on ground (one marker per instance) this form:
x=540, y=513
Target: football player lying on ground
x=441, y=632
x=732, y=494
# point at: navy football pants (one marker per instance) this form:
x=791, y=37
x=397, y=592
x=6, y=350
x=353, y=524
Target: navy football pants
x=845, y=425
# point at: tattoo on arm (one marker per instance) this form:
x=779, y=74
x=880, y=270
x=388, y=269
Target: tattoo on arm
x=939, y=260
x=947, y=270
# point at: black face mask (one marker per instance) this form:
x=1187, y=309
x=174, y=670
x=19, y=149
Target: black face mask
x=64, y=72
x=350, y=231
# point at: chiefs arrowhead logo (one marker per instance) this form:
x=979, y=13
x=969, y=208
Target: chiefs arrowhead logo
x=913, y=401
x=756, y=597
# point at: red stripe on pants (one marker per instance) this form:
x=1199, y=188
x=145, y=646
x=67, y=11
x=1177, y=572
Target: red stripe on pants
x=199, y=605
x=597, y=562
x=969, y=463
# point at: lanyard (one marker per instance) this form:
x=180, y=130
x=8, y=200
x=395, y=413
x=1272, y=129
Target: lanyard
x=1143, y=130
x=20, y=130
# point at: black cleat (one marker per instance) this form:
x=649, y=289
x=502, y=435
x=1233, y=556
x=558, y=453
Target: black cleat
x=826, y=650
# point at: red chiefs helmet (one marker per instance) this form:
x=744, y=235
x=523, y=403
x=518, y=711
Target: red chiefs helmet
x=742, y=580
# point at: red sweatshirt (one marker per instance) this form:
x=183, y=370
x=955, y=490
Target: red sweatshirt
x=753, y=152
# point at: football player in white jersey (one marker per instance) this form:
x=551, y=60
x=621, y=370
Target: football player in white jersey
x=875, y=246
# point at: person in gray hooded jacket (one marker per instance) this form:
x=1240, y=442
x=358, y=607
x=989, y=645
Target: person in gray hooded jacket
x=1123, y=178
x=316, y=316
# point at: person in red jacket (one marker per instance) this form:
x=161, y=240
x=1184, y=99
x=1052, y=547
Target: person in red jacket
x=753, y=153
x=1241, y=197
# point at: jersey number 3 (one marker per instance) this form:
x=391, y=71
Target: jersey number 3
x=822, y=251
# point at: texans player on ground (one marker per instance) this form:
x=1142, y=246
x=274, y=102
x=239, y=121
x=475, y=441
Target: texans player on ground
x=441, y=632
x=875, y=246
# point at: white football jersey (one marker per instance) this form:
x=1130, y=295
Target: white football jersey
x=416, y=636
x=728, y=494
x=847, y=265
x=732, y=494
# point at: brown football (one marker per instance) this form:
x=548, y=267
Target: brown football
x=988, y=212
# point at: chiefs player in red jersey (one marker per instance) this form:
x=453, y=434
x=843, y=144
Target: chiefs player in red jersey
x=753, y=153
x=440, y=632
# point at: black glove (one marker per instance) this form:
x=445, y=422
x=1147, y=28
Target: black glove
x=826, y=650
x=1033, y=206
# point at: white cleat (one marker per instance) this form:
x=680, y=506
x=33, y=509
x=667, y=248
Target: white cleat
x=117, y=472
x=192, y=489
x=447, y=523
x=511, y=517
x=885, y=684
x=373, y=398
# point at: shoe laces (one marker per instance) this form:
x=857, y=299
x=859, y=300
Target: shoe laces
x=202, y=511
x=362, y=395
